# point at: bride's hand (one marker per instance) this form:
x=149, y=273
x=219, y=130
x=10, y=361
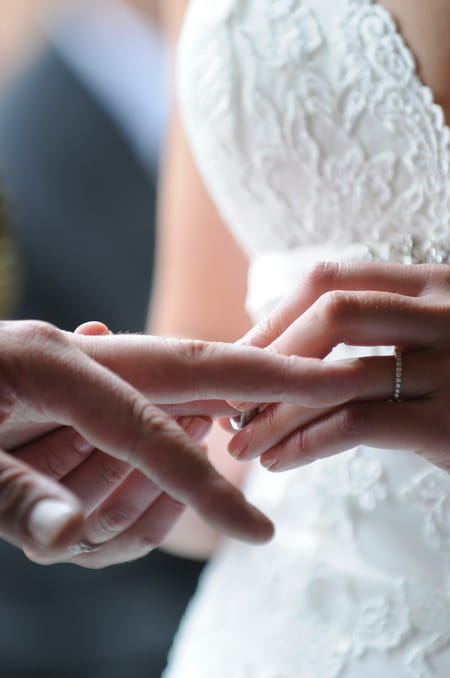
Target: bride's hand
x=364, y=304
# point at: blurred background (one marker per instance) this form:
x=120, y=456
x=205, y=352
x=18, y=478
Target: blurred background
x=82, y=111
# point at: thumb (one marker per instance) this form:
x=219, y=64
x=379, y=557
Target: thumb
x=92, y=328
x=35, y=512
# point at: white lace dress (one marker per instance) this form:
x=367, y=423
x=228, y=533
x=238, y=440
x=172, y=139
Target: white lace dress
x=317, y=139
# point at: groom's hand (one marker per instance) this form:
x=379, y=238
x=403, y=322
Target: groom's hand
x=48, y=380
x=149, y=468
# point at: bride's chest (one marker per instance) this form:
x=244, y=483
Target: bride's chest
x=303, y=113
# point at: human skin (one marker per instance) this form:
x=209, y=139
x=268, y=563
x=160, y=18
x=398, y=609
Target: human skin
x=363, y=304
x=126, y=476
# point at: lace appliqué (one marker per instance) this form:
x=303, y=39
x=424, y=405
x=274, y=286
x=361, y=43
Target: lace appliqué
x=320, y=131
x=429, y=494
x=293, y=34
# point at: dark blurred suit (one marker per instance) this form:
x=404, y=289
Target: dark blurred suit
x=84, y=209
x=84, y=206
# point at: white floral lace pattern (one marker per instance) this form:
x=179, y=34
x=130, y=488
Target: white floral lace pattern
x=313, y=132
x=288, y=129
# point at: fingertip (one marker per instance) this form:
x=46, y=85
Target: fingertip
x=54, y=523
x=264, y=528
x=251, y=338
x=257, y=528
x=93, y=328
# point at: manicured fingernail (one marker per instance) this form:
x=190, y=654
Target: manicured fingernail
x=82, y=445
x=48, y=519
x=270, y=463
x=238, y=445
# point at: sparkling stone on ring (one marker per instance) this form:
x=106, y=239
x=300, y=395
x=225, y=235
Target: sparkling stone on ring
x=398, y=375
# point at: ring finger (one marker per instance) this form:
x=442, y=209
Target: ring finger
x=420, y=375
x=121, y=508
x=413, y=425
x=145, y=534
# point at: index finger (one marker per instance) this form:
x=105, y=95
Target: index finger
x=116, y=418
x=408, y=280
x=176, y=372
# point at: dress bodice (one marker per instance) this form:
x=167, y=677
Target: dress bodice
x=317, y=139
x=311, y=127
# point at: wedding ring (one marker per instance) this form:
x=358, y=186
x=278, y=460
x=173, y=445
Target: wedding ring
x=398, y=375
x=241, y=420
x=83, y=547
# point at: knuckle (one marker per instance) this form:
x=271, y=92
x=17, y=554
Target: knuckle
x=152, y=426
x=111, y=472
x=112, y=521
x=31, y=332
x=301, y=443
x=197, y=354
x=270, y=419
x=151, y=420
x=351, y=423
x=336, y=306
x=37, y=345
x=196, y=350
x=284, y=384
x=55, y=466
x=272, y=326
x=322, y=275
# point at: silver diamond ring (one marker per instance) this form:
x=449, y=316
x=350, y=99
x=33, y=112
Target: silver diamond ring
x=83, y=547
x=240, y=420
x=398, y=375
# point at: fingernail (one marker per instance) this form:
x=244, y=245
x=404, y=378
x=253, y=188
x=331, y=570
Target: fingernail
x=270, y=463
x=82, y=445
x=48, y=519
x=238, y=445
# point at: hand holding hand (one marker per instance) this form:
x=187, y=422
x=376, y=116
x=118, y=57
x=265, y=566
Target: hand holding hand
x=148, y=468
x=49, y=381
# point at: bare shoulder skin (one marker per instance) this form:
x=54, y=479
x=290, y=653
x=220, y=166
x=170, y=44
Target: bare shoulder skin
x=425, y=27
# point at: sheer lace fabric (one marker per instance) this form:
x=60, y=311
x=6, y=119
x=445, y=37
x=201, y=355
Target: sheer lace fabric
x=317, y=140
